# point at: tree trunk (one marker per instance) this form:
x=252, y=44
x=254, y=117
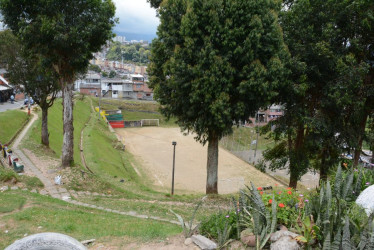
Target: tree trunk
x=358, y=149
x=45, y=135
x=68, y=138
x=293, y=179
x=212, y=166
x=323, y=170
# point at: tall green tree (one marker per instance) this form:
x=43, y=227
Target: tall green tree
x=31, y=74
x=155, y=3
x=216, y=62
x=66, y=33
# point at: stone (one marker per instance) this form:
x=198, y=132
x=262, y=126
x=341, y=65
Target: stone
x=188, y=241
x=366, y=200
x=50, y=241
x=248, y=238
x=25, y=189
x=4, y=188
x=284, y=239
x=236, y=245
x=203, y=242
x=65, y=198
x=14, y=188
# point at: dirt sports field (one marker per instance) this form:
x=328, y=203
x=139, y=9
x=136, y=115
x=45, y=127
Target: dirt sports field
x=153, y=149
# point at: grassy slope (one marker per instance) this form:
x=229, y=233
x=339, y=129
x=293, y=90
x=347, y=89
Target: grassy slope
x=10, y=122
x=82, y=112
x=81, y=223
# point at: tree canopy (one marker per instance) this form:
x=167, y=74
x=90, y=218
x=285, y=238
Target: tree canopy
x=215, y=63
x=65, y=33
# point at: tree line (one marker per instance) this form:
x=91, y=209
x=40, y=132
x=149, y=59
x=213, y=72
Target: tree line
x=217, y=62
x=133, y=53
x=55, y=41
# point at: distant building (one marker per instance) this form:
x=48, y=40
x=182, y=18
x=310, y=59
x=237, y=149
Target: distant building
x=90, y=84
x=120, y=39
x=263, y=117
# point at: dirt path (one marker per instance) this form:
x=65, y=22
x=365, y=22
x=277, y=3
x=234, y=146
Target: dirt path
x=152, y=146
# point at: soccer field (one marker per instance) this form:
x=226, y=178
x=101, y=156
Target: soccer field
x=152, y=147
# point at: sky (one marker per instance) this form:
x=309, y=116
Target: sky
x=135, y=16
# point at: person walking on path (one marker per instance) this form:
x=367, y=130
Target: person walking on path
x=12, y=98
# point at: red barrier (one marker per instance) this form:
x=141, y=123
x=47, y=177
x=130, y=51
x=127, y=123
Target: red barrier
x=117, y=125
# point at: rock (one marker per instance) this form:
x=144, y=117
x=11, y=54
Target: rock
x=33, y=191
x=284, y=240
x=14, y=188
x=279, y=234
x=52, y=241
x=248, y=238
x=236, y=245
x=188, y=241
x=4, y=188
x=87, y=242
x=366, y=200
x=203, y=242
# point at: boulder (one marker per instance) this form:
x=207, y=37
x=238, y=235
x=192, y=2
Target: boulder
x=203, y=242
x=284, y=239
x=248, y=238
x=366, y=200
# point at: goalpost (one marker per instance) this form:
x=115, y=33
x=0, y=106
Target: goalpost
x=150, y=122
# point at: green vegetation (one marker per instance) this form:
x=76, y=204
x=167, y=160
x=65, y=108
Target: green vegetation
x=82, y=113
x=137, y=110
x=9, y=204
x=130, y=53
x=9, y=176
x=81, y=223
x=211, y=66
x=11, y=122
x=241, y=138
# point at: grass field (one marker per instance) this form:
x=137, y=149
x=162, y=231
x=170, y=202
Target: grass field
x=137, y=110
x=26, y=213
x=10, y=122
x=82, y=113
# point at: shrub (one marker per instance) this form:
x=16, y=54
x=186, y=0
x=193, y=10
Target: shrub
x=214, y=224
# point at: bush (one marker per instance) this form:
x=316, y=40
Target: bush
x=211, y=226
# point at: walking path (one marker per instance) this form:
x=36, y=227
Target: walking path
x=60, y=192
x=4, y=106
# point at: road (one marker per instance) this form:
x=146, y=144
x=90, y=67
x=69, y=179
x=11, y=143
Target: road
x=4, y=106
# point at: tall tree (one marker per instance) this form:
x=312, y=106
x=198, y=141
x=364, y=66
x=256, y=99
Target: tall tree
x=66, y=33
x=155, y=3
x=216, y=62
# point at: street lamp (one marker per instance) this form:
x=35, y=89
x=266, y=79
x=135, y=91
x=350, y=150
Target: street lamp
x=174, y=143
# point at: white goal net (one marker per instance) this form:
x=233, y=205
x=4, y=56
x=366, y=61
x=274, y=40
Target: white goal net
x=150, y=122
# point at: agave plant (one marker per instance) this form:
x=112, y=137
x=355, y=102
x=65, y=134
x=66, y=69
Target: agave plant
x=258, y=217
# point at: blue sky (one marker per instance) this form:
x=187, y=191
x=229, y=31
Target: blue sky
x=135, y=16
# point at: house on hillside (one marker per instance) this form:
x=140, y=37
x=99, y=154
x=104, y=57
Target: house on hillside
x=90, y=84
x=263, y=117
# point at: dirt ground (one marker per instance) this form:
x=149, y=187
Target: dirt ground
x=153, y=149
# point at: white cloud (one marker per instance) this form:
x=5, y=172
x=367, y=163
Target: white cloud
x=136, y=16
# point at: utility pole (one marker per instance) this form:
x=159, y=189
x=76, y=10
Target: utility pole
x=174, y=143
x=257, y=131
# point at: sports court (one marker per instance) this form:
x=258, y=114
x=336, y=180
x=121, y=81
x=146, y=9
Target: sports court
x=153, y=149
